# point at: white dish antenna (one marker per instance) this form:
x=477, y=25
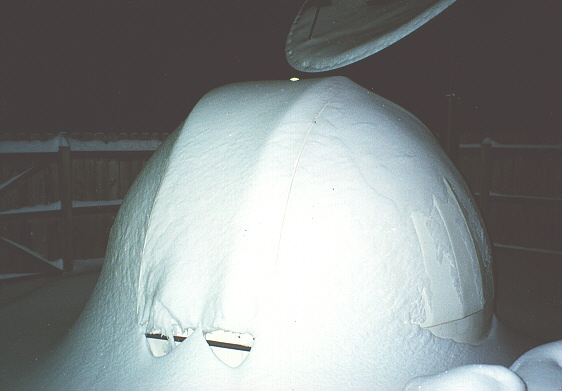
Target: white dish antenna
x=330, y=34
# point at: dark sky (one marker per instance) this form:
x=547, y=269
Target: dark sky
x=140, y=66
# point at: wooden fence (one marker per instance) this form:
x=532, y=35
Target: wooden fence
x=58, y=197
x=519, y=190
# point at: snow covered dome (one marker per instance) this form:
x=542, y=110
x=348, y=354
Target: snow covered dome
x=312, y=225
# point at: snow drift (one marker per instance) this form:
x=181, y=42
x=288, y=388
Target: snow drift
x=316, y=220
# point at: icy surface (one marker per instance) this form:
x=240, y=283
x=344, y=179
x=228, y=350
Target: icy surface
x=334, y=34
x=285, y=211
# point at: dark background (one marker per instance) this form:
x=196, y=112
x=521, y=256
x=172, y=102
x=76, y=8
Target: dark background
x=140, y=66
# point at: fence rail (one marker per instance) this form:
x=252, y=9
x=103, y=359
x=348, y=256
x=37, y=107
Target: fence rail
x=521, y=199
x=487, y=198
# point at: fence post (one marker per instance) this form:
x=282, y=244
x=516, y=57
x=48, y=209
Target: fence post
x=485, y=175
x=452, y=140
x=65, y=190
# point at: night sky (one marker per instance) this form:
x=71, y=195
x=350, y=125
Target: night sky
x=140, y=66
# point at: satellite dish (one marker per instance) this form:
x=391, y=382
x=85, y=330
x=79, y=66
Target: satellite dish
x=330, y=34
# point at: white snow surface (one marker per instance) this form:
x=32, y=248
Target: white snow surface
x=470, y=377
x=316, y=216
x=540, y=369
x=329, y=36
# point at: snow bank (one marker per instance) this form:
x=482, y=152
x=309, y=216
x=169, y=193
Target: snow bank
x=540, y=369
x=470, y=377
x=317, y=220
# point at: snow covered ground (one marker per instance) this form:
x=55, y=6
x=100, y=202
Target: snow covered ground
x=37, y=312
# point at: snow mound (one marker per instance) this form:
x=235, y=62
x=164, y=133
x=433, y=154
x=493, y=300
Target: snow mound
x=315, y=219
